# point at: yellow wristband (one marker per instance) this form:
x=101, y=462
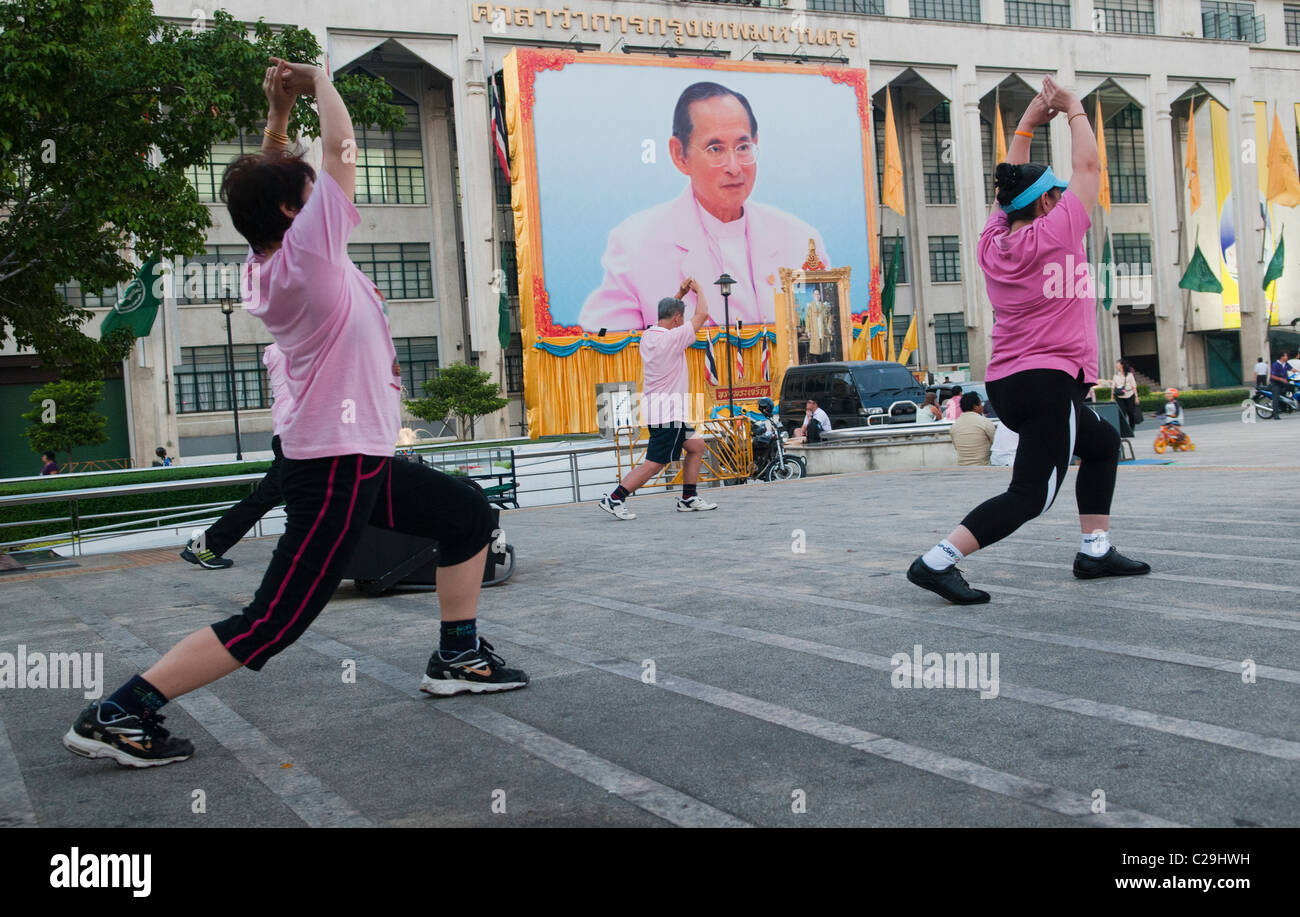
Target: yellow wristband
x=1025, y=134
x=277, y=136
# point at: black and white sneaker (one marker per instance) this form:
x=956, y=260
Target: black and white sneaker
x=476, y=671
x=695, y=504
x=132, y=741
x=616, y=508
x=203, y=557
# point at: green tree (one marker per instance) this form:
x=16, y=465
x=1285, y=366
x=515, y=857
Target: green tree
x=65, y=416
x=458, y=392
x=104, y=108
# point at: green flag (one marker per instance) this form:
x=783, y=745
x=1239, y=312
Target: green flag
x=1107, y=275
x=138, y=305
x=1275, y=263
x=1198, y=277
x=503, y=306
x=891, y=281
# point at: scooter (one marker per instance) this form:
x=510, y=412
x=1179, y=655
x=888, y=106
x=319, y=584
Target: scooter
x=771, y=463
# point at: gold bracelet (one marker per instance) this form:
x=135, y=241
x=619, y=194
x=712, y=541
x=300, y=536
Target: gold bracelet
x=1025, y=134
x=1077, y=114
x=277, y=136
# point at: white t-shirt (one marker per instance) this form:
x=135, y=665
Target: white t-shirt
x=1261, y=368
x=821, y=417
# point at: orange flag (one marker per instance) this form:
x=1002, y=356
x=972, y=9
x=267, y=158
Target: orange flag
x=1000, y=134
x=1283, y=183
x=1103, y=193
x=1191, y=166
x=892, y=191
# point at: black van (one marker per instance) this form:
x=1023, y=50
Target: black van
x=849, y=392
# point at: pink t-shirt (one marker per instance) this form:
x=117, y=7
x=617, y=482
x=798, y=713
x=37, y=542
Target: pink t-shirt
x=340, y=365
x=666, y=392
x=952, y=408
x=282, y=403
x=1044, y=314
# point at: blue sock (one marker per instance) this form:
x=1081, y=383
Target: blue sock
x=458, y=636
x=133, y=698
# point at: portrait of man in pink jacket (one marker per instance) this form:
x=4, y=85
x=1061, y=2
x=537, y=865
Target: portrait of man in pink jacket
x=711, y=228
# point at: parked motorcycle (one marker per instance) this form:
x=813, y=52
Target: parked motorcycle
x=1263, y=401
x=771, y=463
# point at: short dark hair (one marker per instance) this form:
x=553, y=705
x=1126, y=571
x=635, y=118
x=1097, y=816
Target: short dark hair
x=956, y=390
x=160, y=452
x=48, y=456
x=813, y=400
x=254, y=187
x=698, y=92
x=969, y=400
x=1011, y=179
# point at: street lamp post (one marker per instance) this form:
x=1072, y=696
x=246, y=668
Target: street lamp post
x=725, y=283
x=228, y=308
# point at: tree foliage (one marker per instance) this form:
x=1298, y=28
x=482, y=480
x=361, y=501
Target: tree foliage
x=459, y=392
x=65, y=416
x=103, y=108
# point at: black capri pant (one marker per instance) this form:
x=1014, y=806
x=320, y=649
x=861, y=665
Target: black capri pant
x=1045, y=407
x=328, y=503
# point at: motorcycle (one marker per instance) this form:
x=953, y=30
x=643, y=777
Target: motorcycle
x=771, y=463
x=1263, y=401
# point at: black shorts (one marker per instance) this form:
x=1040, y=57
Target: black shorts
x=666, y=442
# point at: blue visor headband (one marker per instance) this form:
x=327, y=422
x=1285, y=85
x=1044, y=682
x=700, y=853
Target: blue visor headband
x=1045, y=183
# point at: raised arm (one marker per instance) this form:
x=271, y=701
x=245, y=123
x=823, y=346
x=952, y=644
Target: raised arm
x=275, y=139
x=1037, y=114
x=1085, y=162
x=701, y=314
x=338, y=140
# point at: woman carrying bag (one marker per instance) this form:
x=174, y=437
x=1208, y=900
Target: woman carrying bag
x=1124, y=386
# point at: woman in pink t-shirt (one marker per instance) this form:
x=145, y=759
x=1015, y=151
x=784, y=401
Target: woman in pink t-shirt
x=338, y=473
x=1044, y=358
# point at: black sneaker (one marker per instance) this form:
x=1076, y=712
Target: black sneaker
x=204, y=558
x=132, y=741
x=948, y=583
x=477, y=671
x=1112, y=563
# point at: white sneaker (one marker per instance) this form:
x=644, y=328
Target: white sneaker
x=615, y=508
x=695, y=504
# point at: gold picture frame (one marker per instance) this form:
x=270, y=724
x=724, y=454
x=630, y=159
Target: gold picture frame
x=813, y=322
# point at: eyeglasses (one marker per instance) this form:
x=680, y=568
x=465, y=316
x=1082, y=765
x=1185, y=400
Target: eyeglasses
x=715, y=154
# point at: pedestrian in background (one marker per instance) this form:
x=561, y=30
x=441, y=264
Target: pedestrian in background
x=1124, y=390
x=50, y=466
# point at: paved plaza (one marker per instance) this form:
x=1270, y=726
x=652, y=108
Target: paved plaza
x=735, y=668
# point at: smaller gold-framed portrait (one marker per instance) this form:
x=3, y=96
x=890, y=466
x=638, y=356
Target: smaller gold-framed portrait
x=812, y=316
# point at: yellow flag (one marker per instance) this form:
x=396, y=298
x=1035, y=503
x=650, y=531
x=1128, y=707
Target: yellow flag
x=892, y=193
x=1000, y=134
x=1283, y=183
x=890, y=331
x=1192, y=166
x=909, y=342
x=1103, y=193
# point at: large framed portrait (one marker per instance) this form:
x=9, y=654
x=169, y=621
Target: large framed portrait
x=813, y=323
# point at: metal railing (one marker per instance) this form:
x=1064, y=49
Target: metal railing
x=126, y=522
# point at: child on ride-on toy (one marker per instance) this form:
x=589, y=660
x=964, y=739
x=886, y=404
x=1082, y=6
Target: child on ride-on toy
x=1171, y=425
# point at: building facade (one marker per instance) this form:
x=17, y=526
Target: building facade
x=436, y=230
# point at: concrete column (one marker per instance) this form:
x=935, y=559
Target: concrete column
x=478, y=213
x=972, y=209
x=1166, y=209
x=995, y=11
x=1245, y=213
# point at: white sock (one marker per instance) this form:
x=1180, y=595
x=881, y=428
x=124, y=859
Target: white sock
x=1096, y=544
x=941, y=556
